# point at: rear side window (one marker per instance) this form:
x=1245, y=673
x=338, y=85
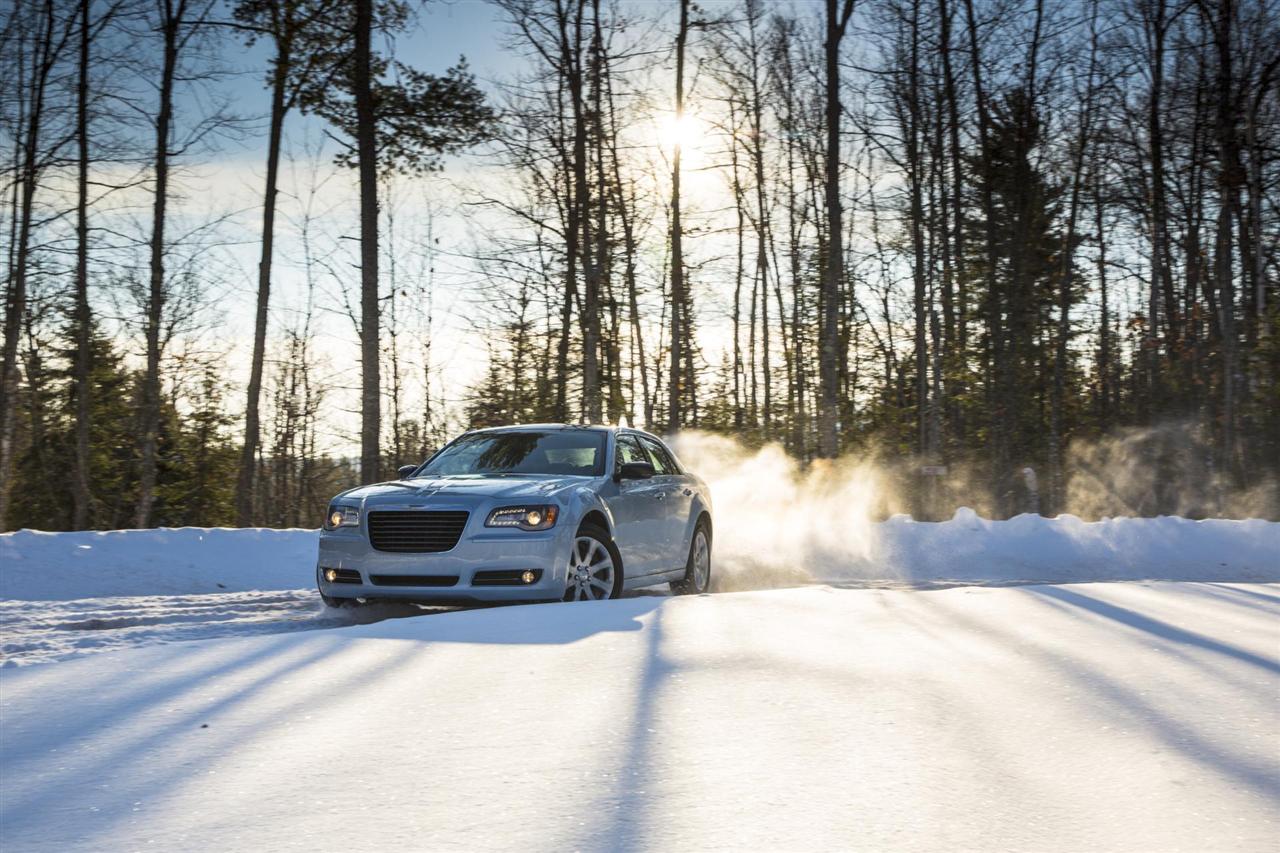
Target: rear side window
x=629, y=451
x=662, y=461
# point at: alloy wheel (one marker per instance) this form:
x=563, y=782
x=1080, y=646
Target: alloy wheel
x=701, y=561
x=591, y=571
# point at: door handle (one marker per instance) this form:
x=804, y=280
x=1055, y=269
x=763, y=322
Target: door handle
x=659, y=496
x=688, y=492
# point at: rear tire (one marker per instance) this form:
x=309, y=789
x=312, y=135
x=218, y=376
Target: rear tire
x=697, y=572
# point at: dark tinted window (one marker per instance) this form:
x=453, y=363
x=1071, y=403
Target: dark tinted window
x=662, y=461
x=573, y=452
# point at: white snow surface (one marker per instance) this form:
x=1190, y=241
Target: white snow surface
x=1105, y=716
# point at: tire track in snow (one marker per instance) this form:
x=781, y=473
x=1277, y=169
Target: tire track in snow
x=41, y=631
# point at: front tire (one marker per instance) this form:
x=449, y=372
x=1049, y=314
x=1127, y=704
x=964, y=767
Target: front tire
x=697, y=572
x=595, y=566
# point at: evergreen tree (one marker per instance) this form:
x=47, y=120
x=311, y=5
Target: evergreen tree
x=1017, y=302
x=47, y=488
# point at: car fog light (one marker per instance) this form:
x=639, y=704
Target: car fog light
x=528, y=577
x=331, y=575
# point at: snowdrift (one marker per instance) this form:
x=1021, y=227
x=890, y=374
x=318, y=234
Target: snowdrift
x=964, y=550
x=40, y=566
x=968, y=549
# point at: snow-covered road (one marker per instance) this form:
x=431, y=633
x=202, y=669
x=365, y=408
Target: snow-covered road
x=1121, y=716
x=42, y=631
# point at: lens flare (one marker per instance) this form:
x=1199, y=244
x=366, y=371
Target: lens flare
x=685, y=131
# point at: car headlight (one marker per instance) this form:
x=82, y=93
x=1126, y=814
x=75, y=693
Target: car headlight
x=342, y=516
x=539, y=517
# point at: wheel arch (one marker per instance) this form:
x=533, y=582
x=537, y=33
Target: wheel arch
x=597, y=517
x=701, y=509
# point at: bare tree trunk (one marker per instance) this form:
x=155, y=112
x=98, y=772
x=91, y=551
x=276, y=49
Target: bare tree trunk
x=795, y=217
x=832, y=281
x=249, y=450
x=1230, y=177
x=633, y=297
x=1105, y=388
x=367, y=152
x=1257, y=190
x=915, y=177
x=613, y=371
x=171, y=25
x=570, y=70
x=739, y=274
x=595, y=250
x=591, y=409
x=956, y=319
x=675, y=415
x=393, y=332
x=1161, y=294
x=83, y=317
x=46, y=49
x=756, y=112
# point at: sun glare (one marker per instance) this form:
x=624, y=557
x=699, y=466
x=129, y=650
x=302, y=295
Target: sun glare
x=685, y=131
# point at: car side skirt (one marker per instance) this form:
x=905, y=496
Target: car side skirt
x=652, y=580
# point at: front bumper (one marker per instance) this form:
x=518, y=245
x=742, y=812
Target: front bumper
x=501, y=550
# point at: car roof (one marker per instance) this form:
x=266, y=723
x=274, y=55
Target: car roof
x=564, y=428
x=543, y=427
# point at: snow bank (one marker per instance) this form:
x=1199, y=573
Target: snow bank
x=169, y=561
x=967, y=549
x=1066, y=549
x=779, y=523
x=1024, y=549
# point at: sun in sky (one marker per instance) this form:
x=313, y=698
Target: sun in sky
x=686, y=131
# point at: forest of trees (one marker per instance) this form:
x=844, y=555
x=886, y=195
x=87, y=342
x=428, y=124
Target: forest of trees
x=1024, y=256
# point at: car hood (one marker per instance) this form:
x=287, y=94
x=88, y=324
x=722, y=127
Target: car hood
x=428, y=490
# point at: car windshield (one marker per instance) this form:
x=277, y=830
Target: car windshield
x=555, y=452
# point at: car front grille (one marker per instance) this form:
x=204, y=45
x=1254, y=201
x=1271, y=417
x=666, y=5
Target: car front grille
x=416, y=531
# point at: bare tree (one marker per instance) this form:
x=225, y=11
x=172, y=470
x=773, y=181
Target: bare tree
x=837, y=21
x=40, y=37
x=179, y=23
x=287, y=24
x=679, y=297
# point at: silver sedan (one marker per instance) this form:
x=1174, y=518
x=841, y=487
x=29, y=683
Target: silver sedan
x=525, y=513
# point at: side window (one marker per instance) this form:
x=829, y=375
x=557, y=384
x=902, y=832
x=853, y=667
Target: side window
x=629, y=451
x=662, y=461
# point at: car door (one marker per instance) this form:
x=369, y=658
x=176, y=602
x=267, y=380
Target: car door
x=636, y=512
x=675, y=500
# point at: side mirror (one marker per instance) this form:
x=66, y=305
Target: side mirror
x=635, y=471
x=405, y=470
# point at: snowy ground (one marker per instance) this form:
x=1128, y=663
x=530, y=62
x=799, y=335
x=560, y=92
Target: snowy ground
x=926, y=697
x=1136, y=716
x=64, y=595
x=38, y=632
